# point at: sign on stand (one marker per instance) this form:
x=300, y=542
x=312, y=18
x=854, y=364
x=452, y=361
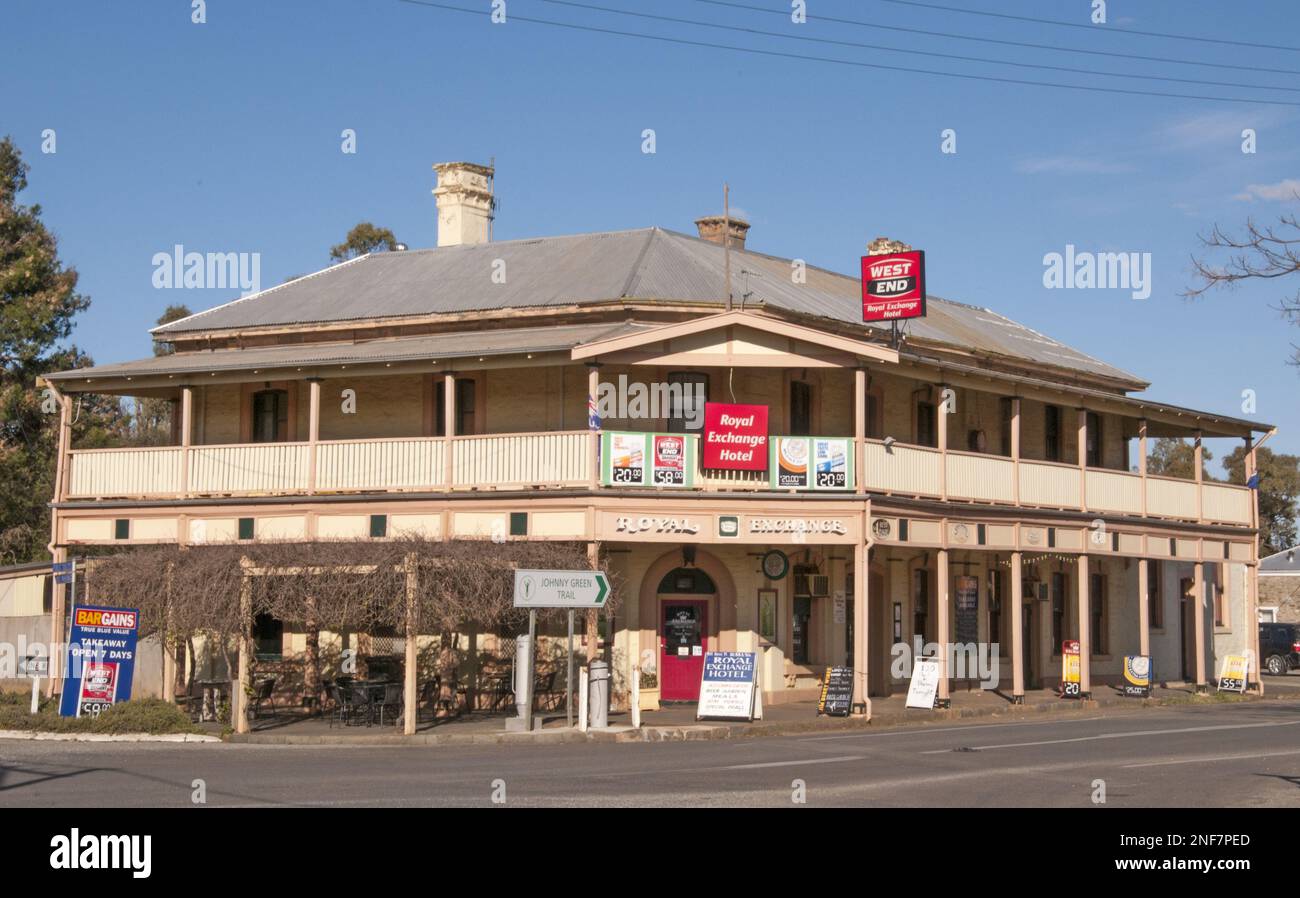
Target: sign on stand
x=1137, y=675
x=1232, y=676
x=923, y=689
x=837, y=692
x=1071, y=669
x=101, y=659
x=729, y=687
x=35, y=667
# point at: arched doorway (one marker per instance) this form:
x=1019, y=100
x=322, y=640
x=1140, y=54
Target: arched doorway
x=687, y=602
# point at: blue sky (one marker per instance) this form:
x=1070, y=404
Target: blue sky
x=225, y=137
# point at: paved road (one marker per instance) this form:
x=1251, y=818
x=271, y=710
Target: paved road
x=1240, y=755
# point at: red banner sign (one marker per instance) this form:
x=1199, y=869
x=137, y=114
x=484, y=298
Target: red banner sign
x=893, y=286
x=735, y=437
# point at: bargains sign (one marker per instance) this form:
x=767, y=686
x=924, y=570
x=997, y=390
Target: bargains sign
x=101, y=660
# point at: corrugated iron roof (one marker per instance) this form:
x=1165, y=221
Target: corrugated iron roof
x=1285, y=562
x=645, y=265
x=551, y=338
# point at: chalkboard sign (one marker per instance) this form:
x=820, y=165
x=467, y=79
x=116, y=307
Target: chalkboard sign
x=837, y=692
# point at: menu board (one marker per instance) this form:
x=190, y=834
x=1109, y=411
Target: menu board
x=923, y=688
x=837, y=692
x=968, y=607
x=728, y=686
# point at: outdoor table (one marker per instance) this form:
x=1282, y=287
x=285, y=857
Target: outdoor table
x=374, y=690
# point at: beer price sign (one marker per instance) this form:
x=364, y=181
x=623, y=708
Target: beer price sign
x=893, y=286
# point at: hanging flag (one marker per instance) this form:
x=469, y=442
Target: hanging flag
x=1253, y=482
x=593, y=417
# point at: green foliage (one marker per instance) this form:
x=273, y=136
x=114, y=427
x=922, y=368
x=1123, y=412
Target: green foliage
x=1279, y=491
x=150, y=715
x=38, y=301
x=1171, y=457
x=362, y=239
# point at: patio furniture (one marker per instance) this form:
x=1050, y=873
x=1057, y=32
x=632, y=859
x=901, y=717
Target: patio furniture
x=394, y=700
x=263, y=692
x=361, y=701
x=332, y=696
x=544, y=690
x=500, y=689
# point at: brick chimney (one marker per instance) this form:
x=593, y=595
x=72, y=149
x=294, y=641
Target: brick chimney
x=883, y=246
x=465, y=203
x=711, y=227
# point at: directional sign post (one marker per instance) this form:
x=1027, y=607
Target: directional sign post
x=559, y=589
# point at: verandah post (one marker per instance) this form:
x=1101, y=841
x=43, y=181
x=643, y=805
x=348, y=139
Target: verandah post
x=409, y=688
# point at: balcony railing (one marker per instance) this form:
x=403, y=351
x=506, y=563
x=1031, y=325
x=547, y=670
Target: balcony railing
x=668, y=462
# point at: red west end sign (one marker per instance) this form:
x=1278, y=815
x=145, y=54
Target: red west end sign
x=735, y=437
x=893, y=286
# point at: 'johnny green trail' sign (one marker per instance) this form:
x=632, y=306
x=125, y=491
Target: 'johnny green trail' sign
x=560, y=589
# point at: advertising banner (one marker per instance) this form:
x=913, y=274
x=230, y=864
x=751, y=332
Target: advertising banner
x=735, y=437
x=1137, y=675
x=728, y=686
x=893, y=286
x=646, y=459
x=811, y=463
x=101, y=659
x=1232, y=676
x=1071, y=669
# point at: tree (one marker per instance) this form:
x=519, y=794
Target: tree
x=1279, y=490
x=38, y=301
x=362, y=239
x=1171, y=457
x=1268, y=252
x=174, y=312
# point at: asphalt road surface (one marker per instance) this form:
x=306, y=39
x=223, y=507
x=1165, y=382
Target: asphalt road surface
x=1245, y=755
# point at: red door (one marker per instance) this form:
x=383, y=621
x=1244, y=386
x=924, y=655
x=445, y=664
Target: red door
x=683, y=625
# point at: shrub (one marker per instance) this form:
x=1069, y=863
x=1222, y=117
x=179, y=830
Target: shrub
x=148, y=716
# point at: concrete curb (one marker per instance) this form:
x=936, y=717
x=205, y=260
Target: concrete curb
x=30, y=736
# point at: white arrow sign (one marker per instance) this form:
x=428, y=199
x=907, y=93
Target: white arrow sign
x=560, y=589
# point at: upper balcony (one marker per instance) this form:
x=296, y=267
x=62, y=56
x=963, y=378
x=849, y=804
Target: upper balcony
x=572, y=459
x=507, y=410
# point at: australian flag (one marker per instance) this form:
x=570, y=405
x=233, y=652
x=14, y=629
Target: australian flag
x=1253, y=482
x=593, y=416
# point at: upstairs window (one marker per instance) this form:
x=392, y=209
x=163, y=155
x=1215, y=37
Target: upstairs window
x=687, y=393
x=800, y=408
x=270, y=416
x=927, y=428
x=1052, y=433
x=466, y=407
x=1093, y=443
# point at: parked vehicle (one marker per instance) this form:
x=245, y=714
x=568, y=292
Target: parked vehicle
x=1279, y=646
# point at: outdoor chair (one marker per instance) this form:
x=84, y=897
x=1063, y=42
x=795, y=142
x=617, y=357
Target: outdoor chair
x=360, y=701
x=394, y=701
x=544, y=691
x=263, y=692
x=192, y=702
x=333, y=698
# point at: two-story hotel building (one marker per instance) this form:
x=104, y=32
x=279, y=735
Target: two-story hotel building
x=994, y=484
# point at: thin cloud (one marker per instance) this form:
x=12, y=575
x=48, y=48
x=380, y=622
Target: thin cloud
x=1286, y=189
x=1072, y=165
